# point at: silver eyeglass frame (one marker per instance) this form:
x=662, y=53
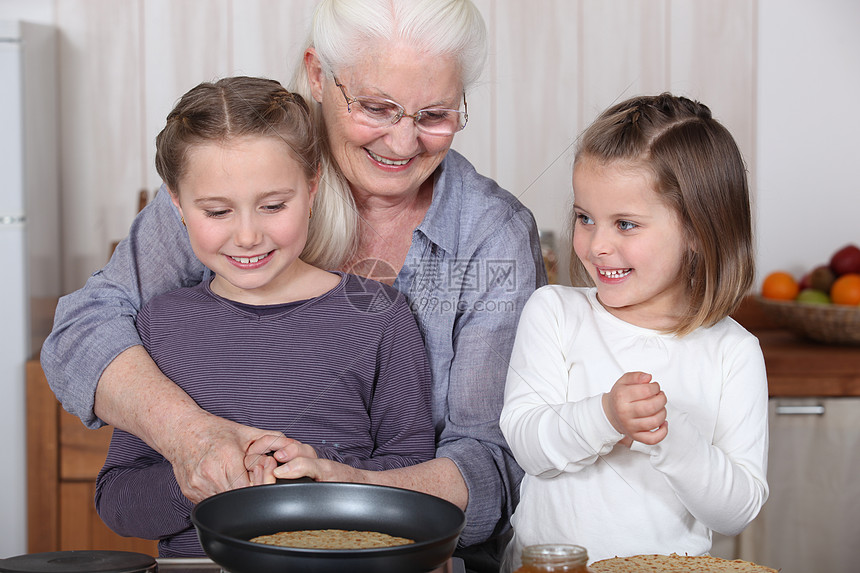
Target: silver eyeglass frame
x=416, y=117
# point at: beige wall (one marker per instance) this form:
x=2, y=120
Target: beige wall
x=554, y=65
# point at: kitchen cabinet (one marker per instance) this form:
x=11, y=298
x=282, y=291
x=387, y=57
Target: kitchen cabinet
x=63, y=459
x=811, y=521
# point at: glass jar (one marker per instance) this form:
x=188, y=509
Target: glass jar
x=550, y=257
x=554, y=558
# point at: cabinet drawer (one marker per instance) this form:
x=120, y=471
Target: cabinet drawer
x=811, y=521
x=82, y=451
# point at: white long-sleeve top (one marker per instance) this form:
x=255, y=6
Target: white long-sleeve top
x=581, y=485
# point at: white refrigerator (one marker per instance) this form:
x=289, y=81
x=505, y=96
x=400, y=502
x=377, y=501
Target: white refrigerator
x=29, y=244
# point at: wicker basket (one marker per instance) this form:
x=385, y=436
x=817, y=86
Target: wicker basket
x=830, y=323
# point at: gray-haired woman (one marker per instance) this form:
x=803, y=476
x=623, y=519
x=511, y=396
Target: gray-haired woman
x=389, y=80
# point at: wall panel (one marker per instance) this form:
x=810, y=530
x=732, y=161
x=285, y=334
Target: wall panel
x=553, y=65
x=100, y=127
x=538, y=69
x=184, y=43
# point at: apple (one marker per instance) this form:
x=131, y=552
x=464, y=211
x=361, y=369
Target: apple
x=845, y=260
x=813, y=296
x=821, y=278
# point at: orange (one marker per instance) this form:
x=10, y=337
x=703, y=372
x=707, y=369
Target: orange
x=780, y=285
x=846, y=290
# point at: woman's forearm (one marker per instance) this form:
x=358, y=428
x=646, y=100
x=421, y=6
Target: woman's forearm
x=439, y=477
x=207, y=452
x=133, y=395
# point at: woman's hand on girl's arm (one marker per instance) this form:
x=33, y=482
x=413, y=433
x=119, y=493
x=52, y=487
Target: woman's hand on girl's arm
x=264, y=453
x=636, y=407
x=210, y=459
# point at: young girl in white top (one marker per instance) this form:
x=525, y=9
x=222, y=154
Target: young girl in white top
x=637, y=407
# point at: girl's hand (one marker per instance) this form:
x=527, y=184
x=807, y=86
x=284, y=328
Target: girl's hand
x=636, y=407
x=264, y=454
x=320, y=469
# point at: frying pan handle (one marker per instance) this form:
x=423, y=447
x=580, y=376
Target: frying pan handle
x=296, y=480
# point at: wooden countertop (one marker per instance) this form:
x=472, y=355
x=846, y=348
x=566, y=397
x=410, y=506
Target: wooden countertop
x=800, y=367
x=797, y=367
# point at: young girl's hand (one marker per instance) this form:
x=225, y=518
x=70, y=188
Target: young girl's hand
x=636, y=407
x=265, y=453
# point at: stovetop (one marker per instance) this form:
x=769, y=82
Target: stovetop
x=107, y=561
x=187, y=565
x=204, y=565
x=115, y=561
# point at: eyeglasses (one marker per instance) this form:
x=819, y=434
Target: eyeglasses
x=381, y=112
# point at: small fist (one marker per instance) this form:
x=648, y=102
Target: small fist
x=636, y=407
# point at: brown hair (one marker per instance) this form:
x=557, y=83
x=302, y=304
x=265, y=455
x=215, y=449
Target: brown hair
x=231, y=108
x=698, y=171
x=237, y=107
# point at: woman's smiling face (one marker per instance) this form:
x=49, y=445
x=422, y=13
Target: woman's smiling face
x=395, y=160
x=631, y=243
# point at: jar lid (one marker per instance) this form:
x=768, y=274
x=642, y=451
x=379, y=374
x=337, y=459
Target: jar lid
x=546, y=235
x=80, y=562
x=555, y=554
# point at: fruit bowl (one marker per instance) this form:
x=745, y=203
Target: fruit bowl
x=829, y=323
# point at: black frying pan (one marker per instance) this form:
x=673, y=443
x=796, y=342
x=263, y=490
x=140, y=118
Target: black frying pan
x=226, y=521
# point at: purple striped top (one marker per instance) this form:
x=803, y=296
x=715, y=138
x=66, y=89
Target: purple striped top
x=345, y=372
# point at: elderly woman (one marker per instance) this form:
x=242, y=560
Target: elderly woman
x=395, y=203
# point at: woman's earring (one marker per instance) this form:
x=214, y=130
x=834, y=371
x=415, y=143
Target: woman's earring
x=310, y=212
x=181, y=218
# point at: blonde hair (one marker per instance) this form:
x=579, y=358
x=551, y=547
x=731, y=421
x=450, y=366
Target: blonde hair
x=341, y=32
x=700, y=173
x=232, y=108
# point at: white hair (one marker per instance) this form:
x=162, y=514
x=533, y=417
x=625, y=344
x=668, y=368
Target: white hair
x=341, y=32
x=343, y=29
